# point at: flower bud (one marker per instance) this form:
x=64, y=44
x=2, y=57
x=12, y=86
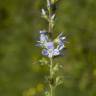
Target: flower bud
x=53, y=17
x=43, y=12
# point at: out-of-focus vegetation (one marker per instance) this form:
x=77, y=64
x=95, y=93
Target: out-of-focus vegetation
x=20, y=72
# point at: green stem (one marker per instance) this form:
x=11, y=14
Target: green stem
x=49, y=21
x=51, y=77
x=49, y=17
x=51, y=89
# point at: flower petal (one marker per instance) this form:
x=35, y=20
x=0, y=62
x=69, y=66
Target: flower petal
x=56, y=52
x=50, y=45
x=45, y=52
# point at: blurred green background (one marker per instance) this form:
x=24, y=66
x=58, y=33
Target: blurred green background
x=20, y=71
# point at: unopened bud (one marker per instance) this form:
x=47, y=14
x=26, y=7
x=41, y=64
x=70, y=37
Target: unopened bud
x=43, y=12
x=53, y=16
x=48, y=3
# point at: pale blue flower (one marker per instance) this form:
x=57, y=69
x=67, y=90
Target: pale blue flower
x=43, y=36
x=48, y=51
x=45, y=52
x=60, y=40
x=48, y=46
x=51, y=52
x=43, y=39
x=56, y=52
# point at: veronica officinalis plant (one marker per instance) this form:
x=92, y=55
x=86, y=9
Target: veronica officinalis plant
x=51, y=47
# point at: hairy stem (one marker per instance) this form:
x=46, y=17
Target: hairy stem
x=51, y=78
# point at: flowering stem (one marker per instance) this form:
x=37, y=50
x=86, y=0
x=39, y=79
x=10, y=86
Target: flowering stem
x=50, y=29
x=48, y=46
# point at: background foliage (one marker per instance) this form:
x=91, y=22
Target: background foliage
x=20, y=72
